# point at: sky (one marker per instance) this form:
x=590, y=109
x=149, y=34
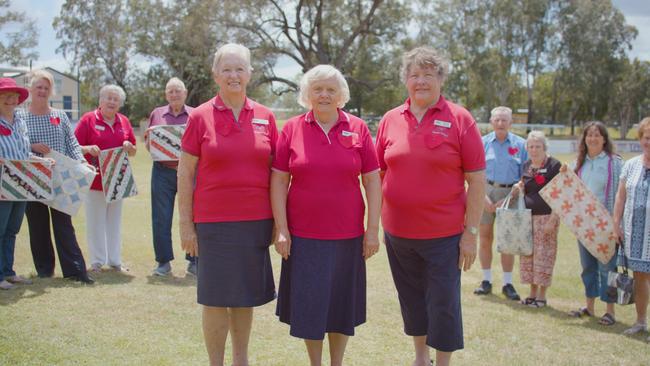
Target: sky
x=637, y=13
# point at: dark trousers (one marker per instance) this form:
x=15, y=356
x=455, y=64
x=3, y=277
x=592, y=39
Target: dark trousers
x=70, y=256
x=11, y=217
x=163, y=194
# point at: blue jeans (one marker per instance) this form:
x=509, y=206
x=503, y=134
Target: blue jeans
x=11, y=217
x=594, y=274
x=163, y=194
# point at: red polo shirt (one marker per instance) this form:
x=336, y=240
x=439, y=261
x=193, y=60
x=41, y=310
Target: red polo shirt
x=325, y=200
x=93, y=130
x=234, y=167
x=424, y=164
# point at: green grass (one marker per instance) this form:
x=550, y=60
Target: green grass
x=137, y=319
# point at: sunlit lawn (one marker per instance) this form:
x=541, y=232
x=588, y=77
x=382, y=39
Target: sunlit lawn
x=136, y=319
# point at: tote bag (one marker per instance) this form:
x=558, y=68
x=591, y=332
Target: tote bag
x=514, y=228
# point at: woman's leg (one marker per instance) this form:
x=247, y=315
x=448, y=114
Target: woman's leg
x=315, y=351
x=337, y=343
x=96, y=227
x=443, y=358
x=241, y=320
x=641, y=294
x=114, y=234
x=422, y=355
x=215, y=332
x=40, y=240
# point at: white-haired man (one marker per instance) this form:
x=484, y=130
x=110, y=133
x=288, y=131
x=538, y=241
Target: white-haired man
x=505, y=154
x=163, y=180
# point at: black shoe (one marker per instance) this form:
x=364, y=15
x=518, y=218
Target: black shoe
x=485, y=288
x=84, y=277
x=510, y=292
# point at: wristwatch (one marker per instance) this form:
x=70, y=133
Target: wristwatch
x=472, y=230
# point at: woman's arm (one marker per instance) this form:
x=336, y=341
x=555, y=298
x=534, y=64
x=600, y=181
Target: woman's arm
x=372, y=185
x=186, y=174
x=619, y=207
x=279, y=190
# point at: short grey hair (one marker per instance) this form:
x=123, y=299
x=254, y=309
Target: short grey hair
x=232, y=49
x=501, y=110
x=425, y=57
x=175, y=82
x=112, y=88
x=318, y=73
x=539, y=136
x=40, y=74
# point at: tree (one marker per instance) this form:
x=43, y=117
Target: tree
x=18, y=46
x=96, y=37
x=630, y=93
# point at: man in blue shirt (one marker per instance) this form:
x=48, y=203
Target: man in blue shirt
x=505, y=154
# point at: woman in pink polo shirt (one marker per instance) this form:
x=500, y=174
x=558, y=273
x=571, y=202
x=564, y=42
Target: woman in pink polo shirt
x=224, y=205
x=101, y=129
x=427, y=149
x=319, y=211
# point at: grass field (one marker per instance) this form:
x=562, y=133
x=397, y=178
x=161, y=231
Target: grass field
x=134, y=318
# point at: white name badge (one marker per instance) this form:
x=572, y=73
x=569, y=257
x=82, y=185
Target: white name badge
x=442, y=123
x=349, y=133
x=100, y=127
x=260, y=121
x=542, y=171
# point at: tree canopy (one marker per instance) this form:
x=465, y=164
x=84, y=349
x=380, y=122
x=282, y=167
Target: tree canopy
x=562, y=61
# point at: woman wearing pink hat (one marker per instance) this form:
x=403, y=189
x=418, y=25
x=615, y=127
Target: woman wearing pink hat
x=14, y=145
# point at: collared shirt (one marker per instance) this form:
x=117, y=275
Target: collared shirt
x=14, y=142
x=163, y=116
x=504, y=160
x=425, y=165
x=234, y=161
x=595, y=173
x=54, y=130
x=324, y=200
x=93, y=130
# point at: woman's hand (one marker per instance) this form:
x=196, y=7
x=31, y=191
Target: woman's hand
x=189, y=242
x=564, y=168
x=128, y=147
x=92, y=150
x=370, y=243
x=283, y=243
x=40, y=148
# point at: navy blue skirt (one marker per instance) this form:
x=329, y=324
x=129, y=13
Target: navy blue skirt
x=234, y=264
x=323, y=287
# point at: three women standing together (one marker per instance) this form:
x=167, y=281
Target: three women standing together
x=314, y=170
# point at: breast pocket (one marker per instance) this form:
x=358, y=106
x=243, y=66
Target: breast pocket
x=349, y=141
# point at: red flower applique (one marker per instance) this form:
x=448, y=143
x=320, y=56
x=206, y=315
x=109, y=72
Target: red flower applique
x=55, y=120
x=513, y=151
x=4, y=131
x=539, y=179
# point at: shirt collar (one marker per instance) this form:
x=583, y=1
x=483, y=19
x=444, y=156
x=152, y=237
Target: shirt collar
x=100, y=118
x=440, y=104
x=169, y=110
x=218, y=103
x=597, y=157
x=343, y=117
x=493, y=137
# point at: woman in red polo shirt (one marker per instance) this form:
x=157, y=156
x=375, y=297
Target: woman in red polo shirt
x=319, y=211
x=224, y=205
x=427, y=149
x=101, y=129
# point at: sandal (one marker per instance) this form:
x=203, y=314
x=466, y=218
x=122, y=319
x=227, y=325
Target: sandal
x=607, y=319
x=580, y=313
x=528, y=301
x=538, y=303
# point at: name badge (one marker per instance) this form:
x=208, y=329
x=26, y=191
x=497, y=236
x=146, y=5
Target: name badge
x=349, y=133
x=442, y=123
x=260, y=121
x=542, y=171
x=100, y=127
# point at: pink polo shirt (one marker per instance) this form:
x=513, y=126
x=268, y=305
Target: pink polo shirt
x=424, y=164
x=325, y=200
x=234, y=167
x=93, y=130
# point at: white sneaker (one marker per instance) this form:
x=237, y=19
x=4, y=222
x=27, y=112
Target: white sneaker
x=6, y=285
x=163, y=269
x=636, y=328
